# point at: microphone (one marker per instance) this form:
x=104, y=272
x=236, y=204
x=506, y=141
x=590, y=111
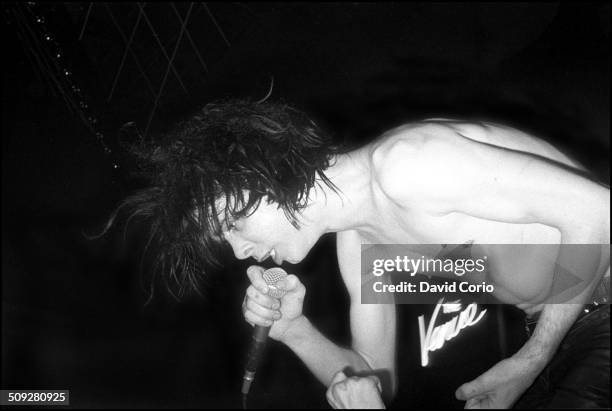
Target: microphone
x=260, y=334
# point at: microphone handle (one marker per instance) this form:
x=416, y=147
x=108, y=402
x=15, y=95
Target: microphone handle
x=258, y=344
x=255, y=354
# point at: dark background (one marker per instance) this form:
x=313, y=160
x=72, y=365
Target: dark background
x=73, y=309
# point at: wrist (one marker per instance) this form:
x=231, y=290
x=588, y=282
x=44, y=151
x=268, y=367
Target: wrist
x=296, y=331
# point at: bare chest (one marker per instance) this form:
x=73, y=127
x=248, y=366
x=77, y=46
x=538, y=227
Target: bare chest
x=397, y=226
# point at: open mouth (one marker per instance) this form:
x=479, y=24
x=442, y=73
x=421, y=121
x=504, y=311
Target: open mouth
x=270, y=254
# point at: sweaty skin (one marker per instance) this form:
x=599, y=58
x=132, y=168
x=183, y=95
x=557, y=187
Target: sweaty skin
x=436, y=182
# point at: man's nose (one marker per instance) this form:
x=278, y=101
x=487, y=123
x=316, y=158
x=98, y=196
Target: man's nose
x=241, y=249
x=242, y=253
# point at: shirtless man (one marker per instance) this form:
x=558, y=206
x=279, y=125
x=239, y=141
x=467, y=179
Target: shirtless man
x=437, y=182
x=432, y=182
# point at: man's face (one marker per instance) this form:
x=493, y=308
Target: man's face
x=268, y=233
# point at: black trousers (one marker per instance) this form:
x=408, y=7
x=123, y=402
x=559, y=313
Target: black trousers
x=579, y=374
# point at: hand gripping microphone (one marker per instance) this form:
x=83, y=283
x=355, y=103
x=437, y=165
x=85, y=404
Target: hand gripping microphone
x=260, y=334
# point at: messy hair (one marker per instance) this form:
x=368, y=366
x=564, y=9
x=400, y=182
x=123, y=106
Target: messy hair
x=216, y=166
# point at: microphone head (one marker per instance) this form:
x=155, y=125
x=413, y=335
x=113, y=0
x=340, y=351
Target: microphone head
x=272, y=276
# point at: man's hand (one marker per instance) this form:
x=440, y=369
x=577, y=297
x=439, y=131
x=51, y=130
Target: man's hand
x=500, y=386
x=261, y=309
x=354, y=392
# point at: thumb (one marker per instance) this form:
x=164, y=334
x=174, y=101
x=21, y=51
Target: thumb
x=292, y=284
x=288, y=283
x=469, y=390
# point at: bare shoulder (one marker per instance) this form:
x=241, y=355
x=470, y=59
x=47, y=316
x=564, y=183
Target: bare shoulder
x=410, y=138
x=411, y=161
x=509, y=138
x=405, y=160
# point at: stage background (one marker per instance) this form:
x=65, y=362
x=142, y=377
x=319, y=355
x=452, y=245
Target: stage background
x=73, y=310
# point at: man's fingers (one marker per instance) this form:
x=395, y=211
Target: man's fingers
x=255, y=274
x=263, y=312
x=331, y=399
x=469, y=390
x=262, y=299
x=472, y=404
x=332, y=392
x=339, y=376
x=476, y=402
x=460, y=394
x=255, y=319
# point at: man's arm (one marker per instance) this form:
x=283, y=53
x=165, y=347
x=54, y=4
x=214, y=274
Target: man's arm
x=459, y=175
x=443, y=173
x=373, y=331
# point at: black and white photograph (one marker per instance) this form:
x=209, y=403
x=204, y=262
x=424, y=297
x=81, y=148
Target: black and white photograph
x=305, y=205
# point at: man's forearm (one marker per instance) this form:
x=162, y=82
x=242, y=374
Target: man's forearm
x=556, y=319
x=321, y=356
x=554, y=322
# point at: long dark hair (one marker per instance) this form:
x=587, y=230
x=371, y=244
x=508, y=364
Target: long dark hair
x=216, y=166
